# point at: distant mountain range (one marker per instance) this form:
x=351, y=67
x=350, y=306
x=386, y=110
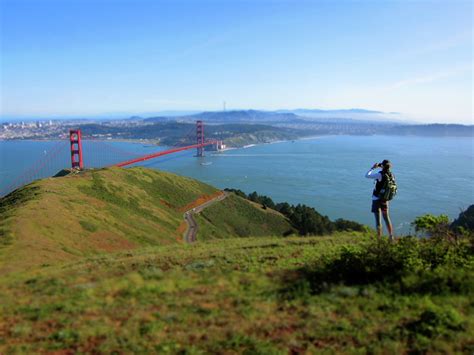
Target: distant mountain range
x=324, y=122
x=353, y=113
x=356, y=115
x=286, y=116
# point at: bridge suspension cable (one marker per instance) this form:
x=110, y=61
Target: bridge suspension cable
x=97, y=153
x=41, y=168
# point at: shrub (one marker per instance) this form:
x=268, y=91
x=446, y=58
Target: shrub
x=238, y=192
x=308, y=221
x=305, y=219
x=88, y=226
x=346, y=225
x=434, y=322
x=410, y=266
x=431, y=225
x=442, y=280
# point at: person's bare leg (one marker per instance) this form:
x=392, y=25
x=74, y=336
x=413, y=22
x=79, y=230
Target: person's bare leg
x=388, y=223
x=378, y=224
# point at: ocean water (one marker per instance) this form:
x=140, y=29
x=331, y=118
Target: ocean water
x=434, y=175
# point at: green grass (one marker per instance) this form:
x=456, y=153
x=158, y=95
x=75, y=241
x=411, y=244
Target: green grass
x=90, y=263
x=63, y=218
x=236, y=217
x=242, y=295
x=93, y=212
x=8, y=205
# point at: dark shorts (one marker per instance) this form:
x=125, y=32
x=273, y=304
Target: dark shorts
x=379, y=205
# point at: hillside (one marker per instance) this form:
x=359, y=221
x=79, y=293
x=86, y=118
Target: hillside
x=220, y=220
x=65, y=218
x=94, y=262
x=339, y=294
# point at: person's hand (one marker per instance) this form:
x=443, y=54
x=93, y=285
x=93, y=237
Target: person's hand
x=375, y=165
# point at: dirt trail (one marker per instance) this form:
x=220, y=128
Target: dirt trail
x=190, y=234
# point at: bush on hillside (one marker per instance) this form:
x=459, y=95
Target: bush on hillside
x=433, y=322
x=309, y=221
x=431, y=225
x=238, y=192
x=440, y=226
x=412, y=265
x=305, y=219
x=346, y=225
x=284, y=208
x=261, y=199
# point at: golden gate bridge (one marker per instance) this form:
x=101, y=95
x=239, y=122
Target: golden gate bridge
x=106, y=152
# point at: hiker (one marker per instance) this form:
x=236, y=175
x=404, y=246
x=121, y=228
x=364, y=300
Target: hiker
x=385, y=190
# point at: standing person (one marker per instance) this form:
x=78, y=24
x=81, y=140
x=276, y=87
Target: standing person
x=385, y=189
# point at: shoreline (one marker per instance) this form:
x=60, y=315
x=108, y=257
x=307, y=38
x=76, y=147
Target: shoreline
x=155, y=143
x=5, y=174
x=277, y=142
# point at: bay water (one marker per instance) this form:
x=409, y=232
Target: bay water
x=434, y=175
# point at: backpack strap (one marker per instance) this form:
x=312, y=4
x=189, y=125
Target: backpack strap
x=379, y=184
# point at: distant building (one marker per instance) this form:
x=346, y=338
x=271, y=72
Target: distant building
x=220, y=145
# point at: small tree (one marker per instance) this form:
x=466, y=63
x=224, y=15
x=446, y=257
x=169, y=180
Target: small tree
x=434, y=226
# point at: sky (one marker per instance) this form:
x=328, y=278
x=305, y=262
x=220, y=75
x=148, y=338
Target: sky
x=62, y=58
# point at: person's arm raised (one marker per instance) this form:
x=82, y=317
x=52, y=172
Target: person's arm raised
x=371, y=174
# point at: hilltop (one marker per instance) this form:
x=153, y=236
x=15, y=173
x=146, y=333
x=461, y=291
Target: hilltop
x=65, y=218
x=94, y=262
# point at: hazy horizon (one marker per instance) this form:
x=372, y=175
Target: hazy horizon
x=83, y=58
x=376, y=117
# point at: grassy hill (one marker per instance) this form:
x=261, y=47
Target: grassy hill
x=220, y=220
x=94, y=263
x=64, y=218
x=248, y=295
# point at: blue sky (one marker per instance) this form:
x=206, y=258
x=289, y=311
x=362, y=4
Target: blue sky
x=84, y=57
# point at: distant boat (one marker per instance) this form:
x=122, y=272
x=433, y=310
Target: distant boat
x=206, y=163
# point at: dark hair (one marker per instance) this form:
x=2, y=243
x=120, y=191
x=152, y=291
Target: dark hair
x=386, y=165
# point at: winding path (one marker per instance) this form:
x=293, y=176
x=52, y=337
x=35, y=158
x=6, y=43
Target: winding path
x=191, y=232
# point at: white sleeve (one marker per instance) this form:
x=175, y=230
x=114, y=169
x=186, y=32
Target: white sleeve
x=372, y=175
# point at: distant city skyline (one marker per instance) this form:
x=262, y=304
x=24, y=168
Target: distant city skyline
x=84, y=58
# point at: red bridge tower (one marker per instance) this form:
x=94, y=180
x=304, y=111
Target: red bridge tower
x=76, y=149
x=200, y=137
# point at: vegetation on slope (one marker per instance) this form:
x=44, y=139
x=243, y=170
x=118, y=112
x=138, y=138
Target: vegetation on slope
x=343, y=293
x=305, y=219
x=236, y=217
x=465, y=220
x=259, y=296
x=440, y=226
x=63, y=218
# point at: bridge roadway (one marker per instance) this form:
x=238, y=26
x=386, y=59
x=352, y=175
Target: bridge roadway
x=164, y=152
